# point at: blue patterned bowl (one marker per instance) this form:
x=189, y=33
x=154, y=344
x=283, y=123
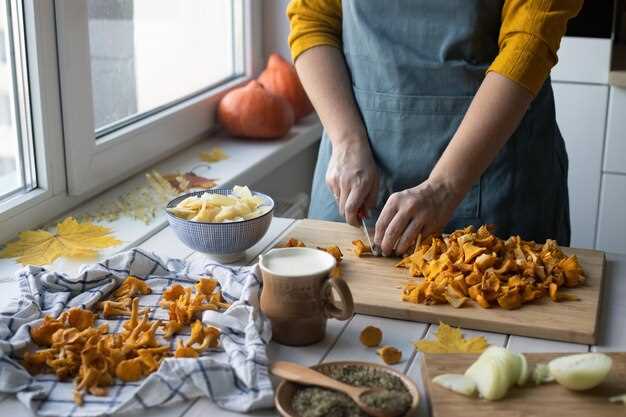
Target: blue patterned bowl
x=225, y=241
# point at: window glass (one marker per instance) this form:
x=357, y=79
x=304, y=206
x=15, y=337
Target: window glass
x=147, y=55
x=16, y=161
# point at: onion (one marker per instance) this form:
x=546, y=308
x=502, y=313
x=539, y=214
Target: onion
x=523, y=371
x=460, y=384
x=508, y=364
x=488, y=378
x=541, y=374
x=497, y=370
x=581, y=372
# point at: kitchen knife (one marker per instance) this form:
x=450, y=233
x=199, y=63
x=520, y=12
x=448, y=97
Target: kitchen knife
x=368, y=240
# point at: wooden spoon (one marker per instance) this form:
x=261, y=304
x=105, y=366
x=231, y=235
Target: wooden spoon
x=307, y=376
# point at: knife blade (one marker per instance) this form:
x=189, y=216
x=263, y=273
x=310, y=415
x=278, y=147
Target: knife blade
x=368, y=240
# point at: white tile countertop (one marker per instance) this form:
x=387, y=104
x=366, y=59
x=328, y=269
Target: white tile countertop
x=341, y=339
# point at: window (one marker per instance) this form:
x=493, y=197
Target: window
x=142, y=78
x=148, y=54
x=17, y=172
x=111, y=87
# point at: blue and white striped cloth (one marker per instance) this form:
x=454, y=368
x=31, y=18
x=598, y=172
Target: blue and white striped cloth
x=235, y=375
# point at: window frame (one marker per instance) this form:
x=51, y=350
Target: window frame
x=91, y=163
x=64, y=177
x=45, y=117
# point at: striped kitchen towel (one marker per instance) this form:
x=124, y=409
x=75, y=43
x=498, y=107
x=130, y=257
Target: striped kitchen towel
x=235, y=375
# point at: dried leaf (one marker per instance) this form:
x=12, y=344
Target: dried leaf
x=214, y=154
x=189, y=181
x=71, y=240
x=451, y=340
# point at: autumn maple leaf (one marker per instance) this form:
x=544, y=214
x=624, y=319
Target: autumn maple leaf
x=188, y=181
x=451, y=340
x=215, y=154
x=72, y=240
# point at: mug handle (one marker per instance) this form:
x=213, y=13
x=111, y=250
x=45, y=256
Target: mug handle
x=347, y=304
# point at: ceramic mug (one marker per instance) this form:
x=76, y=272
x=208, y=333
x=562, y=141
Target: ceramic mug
x=297, y=294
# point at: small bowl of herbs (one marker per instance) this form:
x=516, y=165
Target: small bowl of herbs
x=397, y=392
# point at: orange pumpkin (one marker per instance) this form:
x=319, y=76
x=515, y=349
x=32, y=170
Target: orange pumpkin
x=281, y=78
x=253, y=112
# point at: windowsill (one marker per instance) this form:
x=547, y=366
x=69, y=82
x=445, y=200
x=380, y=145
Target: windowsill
x=247, y=162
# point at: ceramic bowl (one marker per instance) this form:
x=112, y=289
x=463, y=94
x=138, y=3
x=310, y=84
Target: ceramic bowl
x=225, y=242
x=287, y=389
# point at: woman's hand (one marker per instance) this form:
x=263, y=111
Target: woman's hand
x=352, y=177
x=424, y=209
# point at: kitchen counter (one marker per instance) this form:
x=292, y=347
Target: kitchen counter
x=342, y=342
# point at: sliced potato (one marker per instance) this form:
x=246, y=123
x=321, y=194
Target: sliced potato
x=218, y=208
x=242, y=191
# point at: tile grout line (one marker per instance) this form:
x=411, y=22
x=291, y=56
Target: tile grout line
x=332, y=345
x=507, y=340
x=414, y=352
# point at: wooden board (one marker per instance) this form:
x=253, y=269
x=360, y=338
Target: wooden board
x=533, y=401
x=376, y=286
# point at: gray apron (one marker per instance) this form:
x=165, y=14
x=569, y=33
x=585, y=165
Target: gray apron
x=415, y=66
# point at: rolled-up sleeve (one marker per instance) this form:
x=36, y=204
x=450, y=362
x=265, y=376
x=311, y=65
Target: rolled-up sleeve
x=313, y=23
x=529, y=38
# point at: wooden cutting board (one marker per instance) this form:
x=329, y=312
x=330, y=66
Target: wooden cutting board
x=376, y=286
x=547, y=400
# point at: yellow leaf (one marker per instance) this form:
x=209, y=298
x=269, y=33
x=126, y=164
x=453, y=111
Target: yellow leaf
x=451, y=340
x=215, y=154
x=72, y=240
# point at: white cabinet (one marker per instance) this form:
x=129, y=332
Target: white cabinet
x=581, y=114
x=612, y=220
x=615, y=156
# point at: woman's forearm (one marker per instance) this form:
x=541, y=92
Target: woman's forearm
x=324, y=75
x=495, y=112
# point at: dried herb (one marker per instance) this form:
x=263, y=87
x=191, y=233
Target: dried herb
x=390, y=402
x=320, y=402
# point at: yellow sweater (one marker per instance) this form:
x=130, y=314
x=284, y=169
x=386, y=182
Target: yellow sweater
x=529, y=37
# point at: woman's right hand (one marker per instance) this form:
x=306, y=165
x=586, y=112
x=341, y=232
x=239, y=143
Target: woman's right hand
x=352, y=177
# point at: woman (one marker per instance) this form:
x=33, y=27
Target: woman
x=437, y=114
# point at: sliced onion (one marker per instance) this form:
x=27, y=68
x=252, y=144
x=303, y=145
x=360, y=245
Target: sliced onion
x=460, y=384
x=581, y=372
x=541, y=374
x=488, y=378
x=523, y=370
x=508, y=364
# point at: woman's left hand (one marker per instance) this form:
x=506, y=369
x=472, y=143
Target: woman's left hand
x=424, y=209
